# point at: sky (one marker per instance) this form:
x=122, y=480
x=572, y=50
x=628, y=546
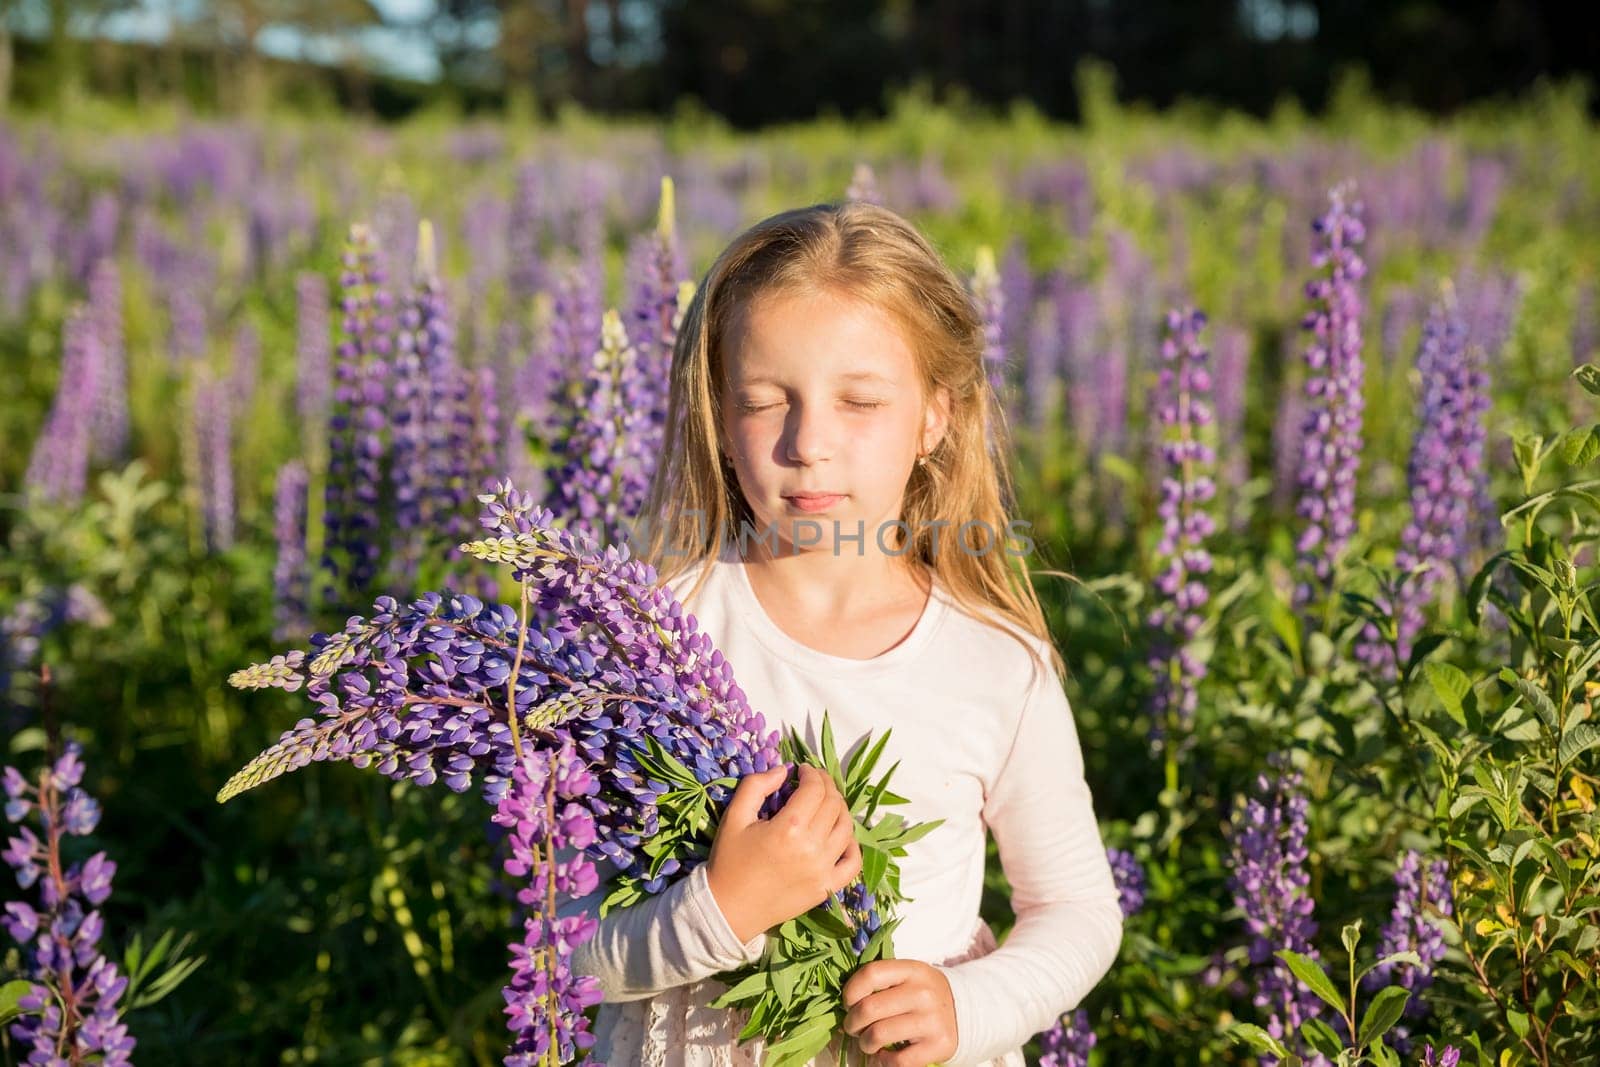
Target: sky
x=407, y=54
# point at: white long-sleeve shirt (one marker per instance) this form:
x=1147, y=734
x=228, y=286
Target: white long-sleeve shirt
x=983, y=740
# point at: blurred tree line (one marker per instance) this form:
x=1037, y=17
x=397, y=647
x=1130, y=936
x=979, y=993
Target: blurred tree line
x=761, y=61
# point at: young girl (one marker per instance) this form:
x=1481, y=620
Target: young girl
x=830, y=506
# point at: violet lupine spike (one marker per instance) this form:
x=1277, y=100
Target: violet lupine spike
x=356, y=446
x=1410, y=929
x=526, y=277
x=605, y=455
x=545, y=1000
x=244, y=369
x=409, y=413
x=450, y=484
x=313, y=349
x=189, y=321
x=1448, y=1056
x=109, y=435
x=1330, y=452
x=1183, y=416
x=1067, y=1043
x=211, y=412
x=1129, y=878
x=291, y=578
x=72, y=1003
x=1270, y=882
x=58, y=469
x=1443, y=474
x=655, y=276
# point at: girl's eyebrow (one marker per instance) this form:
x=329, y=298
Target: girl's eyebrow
x=852, y=376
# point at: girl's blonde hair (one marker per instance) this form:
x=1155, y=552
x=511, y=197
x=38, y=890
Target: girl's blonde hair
x=871, y=254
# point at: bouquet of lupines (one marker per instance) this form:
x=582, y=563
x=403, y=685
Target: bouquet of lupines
x=627, y=739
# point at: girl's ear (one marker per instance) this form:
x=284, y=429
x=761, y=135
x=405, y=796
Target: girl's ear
x=935, y=418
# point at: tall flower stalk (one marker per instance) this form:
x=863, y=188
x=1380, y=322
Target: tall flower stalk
x=71, y=1010
x=1183, y=413
x=604, y=452
x=1330, y=445
x=356, y=445
x=1270, y=882
x=1442, y=476
x=1410, y=929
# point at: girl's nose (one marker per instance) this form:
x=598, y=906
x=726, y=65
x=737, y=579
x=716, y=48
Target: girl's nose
x=811, y=433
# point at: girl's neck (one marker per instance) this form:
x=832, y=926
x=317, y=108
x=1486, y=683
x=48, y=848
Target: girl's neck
x=820, y=584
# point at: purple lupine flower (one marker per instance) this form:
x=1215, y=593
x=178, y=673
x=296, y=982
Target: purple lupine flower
x=1083, y=361
x=863, y=185
x=1129, y=879
x=1330, y=452
x=607, y=450
x=1017, y=292
x=58, y=470
x=1269, y=881
x=523, y=231
x=245, y=368
x=1067, y=1043
x=1448, y=1056
x=72, y=1003
x=656, y=270
x=394, y=225
x=189, y=320
x=109, y=432
x=98, y=238
x=1410, y=929
x=1041, y=371
x=1183, y=412
x=356, y=446
x=212, y=434
x=313, y=348
x=291, y=578
x=1447, y=458
x=451, y=481
x=409, y=415
x=545, y=1000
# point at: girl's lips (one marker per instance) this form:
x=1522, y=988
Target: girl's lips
x=813, y=503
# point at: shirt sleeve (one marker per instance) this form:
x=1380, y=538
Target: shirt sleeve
x=675, y=937
x=1068, y=918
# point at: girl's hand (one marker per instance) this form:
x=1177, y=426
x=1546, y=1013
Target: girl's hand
x=894, y=1001
x=766, y=872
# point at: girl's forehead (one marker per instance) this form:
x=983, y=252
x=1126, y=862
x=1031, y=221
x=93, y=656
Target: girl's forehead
x=852, y=339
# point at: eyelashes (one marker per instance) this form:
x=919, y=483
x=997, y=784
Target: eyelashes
x=860, y=405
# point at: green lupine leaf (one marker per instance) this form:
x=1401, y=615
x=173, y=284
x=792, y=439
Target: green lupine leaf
x=1382, y=1013
x=1312, y=976
x=10, y=994
x=1578, y=740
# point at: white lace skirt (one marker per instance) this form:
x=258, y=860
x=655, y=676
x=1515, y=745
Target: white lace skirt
x=678, y=1029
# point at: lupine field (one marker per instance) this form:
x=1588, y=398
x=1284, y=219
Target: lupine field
x=1305, y=421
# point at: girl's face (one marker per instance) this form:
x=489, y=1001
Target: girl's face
x=820, y=395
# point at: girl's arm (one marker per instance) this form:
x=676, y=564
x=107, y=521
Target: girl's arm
x=670, y=939
x=1069, y=921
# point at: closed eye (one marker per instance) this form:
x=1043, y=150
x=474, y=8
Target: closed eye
x=862, y=405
